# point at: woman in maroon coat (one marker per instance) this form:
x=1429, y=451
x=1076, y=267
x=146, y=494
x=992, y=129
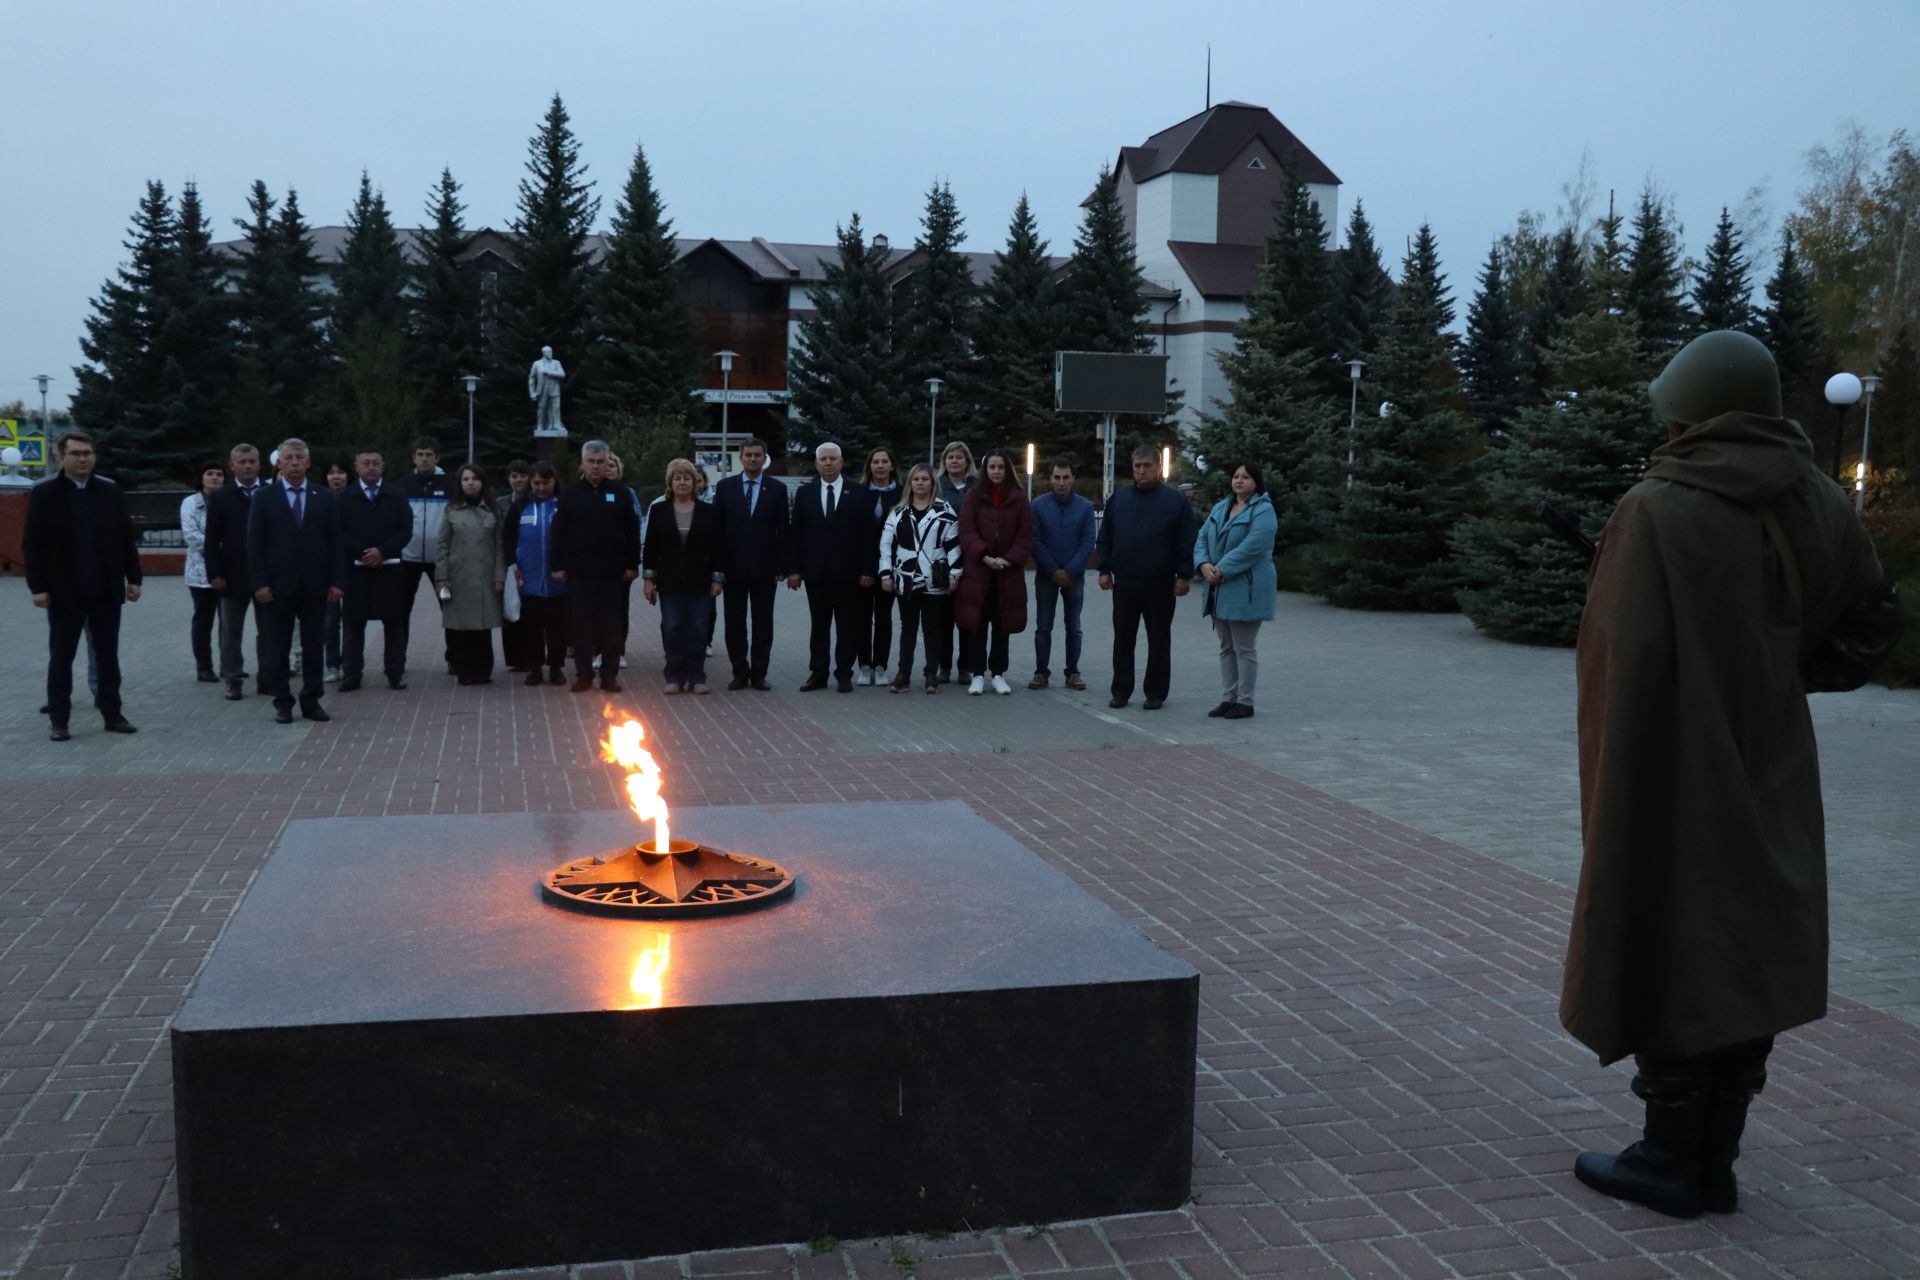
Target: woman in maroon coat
x=996, y=537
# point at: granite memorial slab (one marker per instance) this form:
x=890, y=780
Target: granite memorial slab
x=400, y=1061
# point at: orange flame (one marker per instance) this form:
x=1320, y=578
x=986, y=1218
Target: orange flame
x=622, y=746
x=650, y=972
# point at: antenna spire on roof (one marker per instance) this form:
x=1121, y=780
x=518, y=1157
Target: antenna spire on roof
x=1209, y=105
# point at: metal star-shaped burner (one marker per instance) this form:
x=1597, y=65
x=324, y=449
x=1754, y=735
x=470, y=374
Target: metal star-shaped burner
x=689, y=880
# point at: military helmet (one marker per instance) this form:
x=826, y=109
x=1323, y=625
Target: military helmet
x=1720, y=372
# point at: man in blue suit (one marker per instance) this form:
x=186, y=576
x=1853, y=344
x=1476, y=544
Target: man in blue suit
x=299, y=566
x=834, y=548
x=753, y=525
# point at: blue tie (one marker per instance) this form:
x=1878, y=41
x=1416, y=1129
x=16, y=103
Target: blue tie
x=299, y=507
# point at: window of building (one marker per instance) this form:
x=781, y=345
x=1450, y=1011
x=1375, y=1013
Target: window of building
x=1256, y=163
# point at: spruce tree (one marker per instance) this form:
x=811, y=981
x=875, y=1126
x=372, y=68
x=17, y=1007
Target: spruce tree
x=1362, y=291
x=283, y=355
x=934, y=335
x=1896, y=417
x=447, y=334
x=1010, y=376
x=1722, y=293
x=544, y=302
x=844, y=374
x=1654, y=281
x=1792, y=332
x=1412, y=467
x=118, y=396
x=1563, y=295
x=1103, y=310
x=371, y=280
x=1581, y=451
x=642, y=361
x=1493, y=366
x=195, y=344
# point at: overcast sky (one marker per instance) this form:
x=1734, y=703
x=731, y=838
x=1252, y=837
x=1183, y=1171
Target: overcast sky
x=779, y=119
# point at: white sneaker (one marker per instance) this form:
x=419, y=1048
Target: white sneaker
x=977, y=686
x=864, y=676
x=623, y=662
x=1000, y=685
x=333, y=675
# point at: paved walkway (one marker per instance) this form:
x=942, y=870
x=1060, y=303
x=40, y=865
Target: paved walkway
x=1372, y=876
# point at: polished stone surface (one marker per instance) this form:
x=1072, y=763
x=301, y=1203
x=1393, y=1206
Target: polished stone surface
x=400, y=1061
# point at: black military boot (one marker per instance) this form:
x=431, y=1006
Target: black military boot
x=1661, y=1171
x=1726, y=1121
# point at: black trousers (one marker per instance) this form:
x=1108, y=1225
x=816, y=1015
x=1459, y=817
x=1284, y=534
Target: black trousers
x=472, y=654
x=934, y=616
x=875, y=629
x=206, y=608
x=978, y=655
x=1134, y=604
x=1737, y=1070
x=304, y=612
x=746, y=652
x=546, y=624
x=835, y=607
x=67, y=618
x=513, y=640
x=374, y=595
x=599, y=610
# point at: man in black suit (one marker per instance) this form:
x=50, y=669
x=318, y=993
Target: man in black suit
x=834, y=548
x=227, y=511
x=83, y=563
x=299, y=567
x=595, y=549
x=375, y=524
x=753, y=530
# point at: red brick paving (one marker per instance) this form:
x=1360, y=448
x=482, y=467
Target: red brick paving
x=1383, y=1089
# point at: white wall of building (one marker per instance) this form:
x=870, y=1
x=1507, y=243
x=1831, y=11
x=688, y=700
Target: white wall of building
x=1328, y=198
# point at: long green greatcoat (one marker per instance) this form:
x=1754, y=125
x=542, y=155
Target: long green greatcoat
x=470, y=560
x=1701, y=919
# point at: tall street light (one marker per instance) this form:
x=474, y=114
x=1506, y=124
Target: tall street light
x=1868, y=384
x=1353, y=410
x=726, y=402
x=1843, y=390
x=472, y=381
x=933, y=420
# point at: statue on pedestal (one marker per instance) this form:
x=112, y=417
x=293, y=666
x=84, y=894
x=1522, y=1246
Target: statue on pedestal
x=543, y=388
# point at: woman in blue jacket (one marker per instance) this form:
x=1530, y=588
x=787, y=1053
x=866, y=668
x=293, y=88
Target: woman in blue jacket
x=1235, y=555
x=527, y=533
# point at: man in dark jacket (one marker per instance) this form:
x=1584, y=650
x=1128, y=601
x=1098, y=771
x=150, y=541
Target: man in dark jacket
x=1062, y=547
x=753, y=517
x=596, y=552
x=299, y=567
x=1146, y=560
x=834, y=548
x=1700, y=930
x=83, y=563
x=375, y=525
x=227, y=511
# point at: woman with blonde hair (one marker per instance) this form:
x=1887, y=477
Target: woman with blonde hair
x=919, y=564
x=680, y=570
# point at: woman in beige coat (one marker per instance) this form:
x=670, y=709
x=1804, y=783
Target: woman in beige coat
x=469, y=569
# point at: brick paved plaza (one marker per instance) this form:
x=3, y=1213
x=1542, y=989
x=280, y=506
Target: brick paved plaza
x=1373, y=877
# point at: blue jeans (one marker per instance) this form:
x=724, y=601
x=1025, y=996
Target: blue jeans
x=1045, y=593
x=685, y=622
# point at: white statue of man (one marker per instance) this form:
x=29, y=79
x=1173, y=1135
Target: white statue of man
x=543, y=388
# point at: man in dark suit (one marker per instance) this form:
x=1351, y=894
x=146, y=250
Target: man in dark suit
x=83, y=563
x=375, y=524
x=834, y=548
x=753, y=530
x=227, y=511
x=595, y=550
x=299, y=567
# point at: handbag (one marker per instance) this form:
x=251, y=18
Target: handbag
x=510, y=598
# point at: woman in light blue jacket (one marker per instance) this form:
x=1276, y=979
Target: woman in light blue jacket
x=1235, y=555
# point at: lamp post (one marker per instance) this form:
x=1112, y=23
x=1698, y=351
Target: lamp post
x=1843, y=389
x=1029, y=470
x=472, y=381
x=933, y=420
x=1166, y=463
x=1868, y=384
x=726, y=402
x=46, y=432
x=1353, y=410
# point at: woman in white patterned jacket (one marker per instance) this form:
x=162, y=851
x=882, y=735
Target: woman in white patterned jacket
x=920, y=562
x=206, y=599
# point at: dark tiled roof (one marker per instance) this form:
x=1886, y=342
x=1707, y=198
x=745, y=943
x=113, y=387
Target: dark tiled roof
x=1219, y=270
x=1208, y=142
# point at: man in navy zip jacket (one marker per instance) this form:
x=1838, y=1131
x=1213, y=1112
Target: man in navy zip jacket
x=595, y=545
x=1062, y=549
x=753, y=533
x=1146, y=560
